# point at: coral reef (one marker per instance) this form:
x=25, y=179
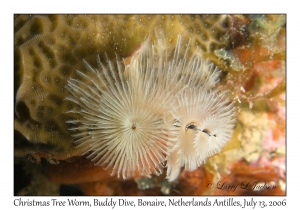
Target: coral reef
x=249, y=50
x=50, y=48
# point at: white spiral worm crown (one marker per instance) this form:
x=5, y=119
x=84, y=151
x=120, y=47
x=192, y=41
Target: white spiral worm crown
x=159, y=110
x=206, y=123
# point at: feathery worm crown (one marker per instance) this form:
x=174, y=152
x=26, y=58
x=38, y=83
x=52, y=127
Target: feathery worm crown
x=124, y=124
x=206, y=122
x=158, y=108
x=173, y=70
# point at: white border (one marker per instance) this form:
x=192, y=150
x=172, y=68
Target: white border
x=8, y=8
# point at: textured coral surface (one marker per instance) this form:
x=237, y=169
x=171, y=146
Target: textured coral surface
x=48, y=49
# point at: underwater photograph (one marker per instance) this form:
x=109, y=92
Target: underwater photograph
x=149, y=104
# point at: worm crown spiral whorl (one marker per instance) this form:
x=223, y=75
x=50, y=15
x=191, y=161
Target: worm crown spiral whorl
x=124, y=125
x=206, y=121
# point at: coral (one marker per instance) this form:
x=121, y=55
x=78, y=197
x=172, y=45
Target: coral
x=39, y=184
x=251, y=181
x=193, y=183
x=256, y=61
x=96, y=181
x=207, y=32
x=48, y=50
